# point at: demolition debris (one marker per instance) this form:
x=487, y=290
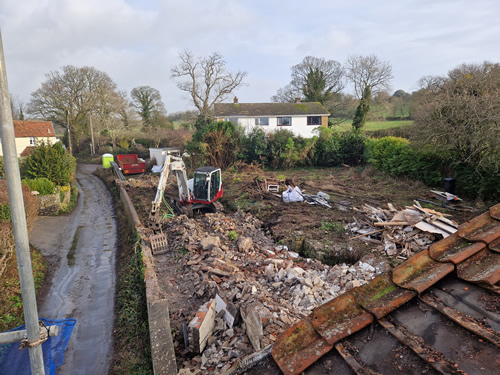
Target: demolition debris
x=247, y=288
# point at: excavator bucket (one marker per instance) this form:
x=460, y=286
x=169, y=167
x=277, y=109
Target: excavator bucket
x=158, y=243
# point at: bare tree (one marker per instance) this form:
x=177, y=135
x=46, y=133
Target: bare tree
x=313, y=79
x=369, y=75
x=148, y=104
x=368, y=71
x=461, y=113
x=18, y=107
x=108, y=114
x=207, y=80
x=69, y=95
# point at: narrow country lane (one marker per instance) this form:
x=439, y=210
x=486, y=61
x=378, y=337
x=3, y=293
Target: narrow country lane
x=81, y=249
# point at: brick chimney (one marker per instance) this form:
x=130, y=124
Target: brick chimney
x=235, y=100
x=297, y=100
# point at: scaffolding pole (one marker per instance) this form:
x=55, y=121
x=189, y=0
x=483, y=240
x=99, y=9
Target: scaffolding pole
x=18, y=216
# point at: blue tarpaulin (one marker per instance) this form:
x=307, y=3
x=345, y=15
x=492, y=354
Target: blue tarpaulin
x=15, y=361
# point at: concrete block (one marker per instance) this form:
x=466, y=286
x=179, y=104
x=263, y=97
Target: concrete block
x=200, y=328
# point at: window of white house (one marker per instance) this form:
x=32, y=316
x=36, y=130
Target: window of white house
x=313, y=120
x=32, y=141
x=262, y=121
x=284, y=121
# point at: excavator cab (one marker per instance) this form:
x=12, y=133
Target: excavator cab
x=207, y=185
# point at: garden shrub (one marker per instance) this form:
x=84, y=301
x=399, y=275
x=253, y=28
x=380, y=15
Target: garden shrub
x=352, y=147
x=397, y=157
x=42, y=185
x=474, y=182
x=2, y=168
x=327, y=152
x=51, y=162
x=281, y=149
x=255, y=146
x=217, y=143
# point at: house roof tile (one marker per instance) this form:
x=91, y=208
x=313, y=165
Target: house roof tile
x=466, y=252
x=300, y=347
x=33, y=129
x=269, y=109
x=483, y=267
x=454, y=249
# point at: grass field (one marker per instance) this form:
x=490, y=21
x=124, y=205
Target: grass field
x=373, y=125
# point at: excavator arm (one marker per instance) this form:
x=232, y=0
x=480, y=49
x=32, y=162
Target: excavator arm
x=172, y=165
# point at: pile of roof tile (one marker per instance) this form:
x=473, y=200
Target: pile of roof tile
x=472, y=252
x=404, y=232
x=249, y=288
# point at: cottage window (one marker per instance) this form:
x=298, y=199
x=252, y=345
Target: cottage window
x=314, y=120
x=262, y=121
x=284, y=121
x=32, y=141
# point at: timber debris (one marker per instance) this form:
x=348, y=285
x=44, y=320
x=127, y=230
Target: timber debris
x=404, y=232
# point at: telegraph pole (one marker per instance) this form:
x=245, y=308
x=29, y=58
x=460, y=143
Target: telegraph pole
x=68, y=128
x=19, y=226
x=92, y=149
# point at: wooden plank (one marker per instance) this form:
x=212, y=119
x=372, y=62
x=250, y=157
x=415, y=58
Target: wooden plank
x=447, y=228
x=429, y=228
x=420, y=348
x=358, y=368
x=465, y=321
x=391, y=223
x=367, y=234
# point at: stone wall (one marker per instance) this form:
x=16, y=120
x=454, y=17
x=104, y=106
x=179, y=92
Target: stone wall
x=162, y=347
x=48, y=204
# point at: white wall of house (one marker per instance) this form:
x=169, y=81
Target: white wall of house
x=298, y=127
x=23, y=142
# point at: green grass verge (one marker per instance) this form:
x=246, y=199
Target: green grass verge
x=11, y=305
x=373, y=125
x=132, y=344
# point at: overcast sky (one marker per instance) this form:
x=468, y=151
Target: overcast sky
x=137, y=42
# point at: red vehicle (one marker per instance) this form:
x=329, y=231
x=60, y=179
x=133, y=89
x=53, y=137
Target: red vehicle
x=130, y=164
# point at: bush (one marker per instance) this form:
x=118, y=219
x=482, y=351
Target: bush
x=385, y=153
x=327, y=152
x=51, y=162
x=217, y=143
x=2, y=168
x=474, y=182
x=42, y=185
x=352, y=147
x=282, y=152
x=255, y=146
x=396, y=157
x=400, y=132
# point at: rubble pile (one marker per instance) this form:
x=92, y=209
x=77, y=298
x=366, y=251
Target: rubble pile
x=249, y=289
x=402, y=233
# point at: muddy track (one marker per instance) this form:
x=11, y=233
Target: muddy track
x=80, y=249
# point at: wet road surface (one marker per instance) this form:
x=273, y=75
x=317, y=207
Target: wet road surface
x=80, y=248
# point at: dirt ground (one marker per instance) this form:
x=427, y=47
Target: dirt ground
x=349, y=187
